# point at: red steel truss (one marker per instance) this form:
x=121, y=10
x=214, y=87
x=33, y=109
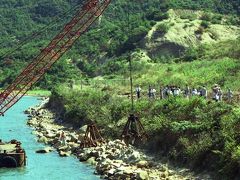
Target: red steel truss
x=79, y=24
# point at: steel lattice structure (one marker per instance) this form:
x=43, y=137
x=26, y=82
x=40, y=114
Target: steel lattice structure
x=79, y=24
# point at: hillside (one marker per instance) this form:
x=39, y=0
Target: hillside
x=173, y=42
x=185, y=29
x=102, y=44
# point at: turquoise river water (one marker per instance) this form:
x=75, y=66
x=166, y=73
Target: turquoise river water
x=39, y=166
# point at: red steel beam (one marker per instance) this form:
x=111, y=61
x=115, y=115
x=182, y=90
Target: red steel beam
x=79, y=24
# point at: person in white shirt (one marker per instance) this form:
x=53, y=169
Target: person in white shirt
x=215, y=90
x=194, y=92
x=176, y=91
x=138, y=91
x=154, y=93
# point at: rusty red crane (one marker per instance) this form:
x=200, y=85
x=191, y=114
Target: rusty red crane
x=62, y=42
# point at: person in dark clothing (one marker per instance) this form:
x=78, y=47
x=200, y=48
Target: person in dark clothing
x=138, y=91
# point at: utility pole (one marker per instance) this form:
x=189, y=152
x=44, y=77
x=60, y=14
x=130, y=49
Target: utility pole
x=131, y=83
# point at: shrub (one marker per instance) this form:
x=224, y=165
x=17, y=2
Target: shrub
x=206, y=17
x=205, y=24
x=157, y=16
x=217, y=19
x=193, y=130
x=199, y=31
x=191, y=17
x=191, y=54
x=162, y=28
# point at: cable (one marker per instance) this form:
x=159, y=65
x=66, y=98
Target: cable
x=36, y=34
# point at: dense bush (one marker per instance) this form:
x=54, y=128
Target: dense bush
x=197, y=132
x=162, y=28
x=188, y=16
x=157, y=15
x=205, y=24
x=206, y=17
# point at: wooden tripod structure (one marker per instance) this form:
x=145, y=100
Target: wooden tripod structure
x=133, y=130
x=92, y=137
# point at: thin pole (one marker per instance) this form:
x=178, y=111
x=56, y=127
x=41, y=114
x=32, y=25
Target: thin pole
x=130, y=65
x=82, y=83
x=131, y=83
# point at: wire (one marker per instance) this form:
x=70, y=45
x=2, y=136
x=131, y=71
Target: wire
x=38, y=33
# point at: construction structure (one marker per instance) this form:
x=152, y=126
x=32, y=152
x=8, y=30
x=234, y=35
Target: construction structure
x=59, y=45
x=12, y=155
x=62, y=42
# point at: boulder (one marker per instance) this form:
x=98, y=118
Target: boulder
x=117, y=163
x=91, y=161
x=142, y=164
x=111, y=156
x=73, y=137
x=142, y=175
x=43, y=139
x=111, y=172
x=126, y=170
x=103, y=168
x=82, y=129
x=35, y=133
x=64, y=148
x=45, y=150
x=135, y=156
x=83, y=157
x=94, y=153
x=50, y=135
x=64, y=154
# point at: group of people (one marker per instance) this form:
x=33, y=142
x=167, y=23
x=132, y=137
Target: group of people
x=168, y=91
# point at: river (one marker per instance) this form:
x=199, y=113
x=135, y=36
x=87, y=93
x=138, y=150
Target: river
x=39, y=166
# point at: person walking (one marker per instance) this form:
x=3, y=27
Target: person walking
x=176, y=91
x=220, y=94
x=215, y=90
x=149, y=91
x=62, y=138
x=161, y=92
x=204, y=92
x=187, y=92
x=153, y=92
x=229, y=95
x=194, y=92
x=169, y=91
x=138, y=91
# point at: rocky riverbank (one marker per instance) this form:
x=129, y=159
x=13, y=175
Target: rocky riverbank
x=113, y=160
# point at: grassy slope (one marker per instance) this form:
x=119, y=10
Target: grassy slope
x=182, y=25
x=20, y=19
x=39, y=92
x=197, y=73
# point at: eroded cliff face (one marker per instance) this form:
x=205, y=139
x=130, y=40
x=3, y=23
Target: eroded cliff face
x=184, y=29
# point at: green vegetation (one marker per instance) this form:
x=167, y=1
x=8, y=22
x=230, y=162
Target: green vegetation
x=194, y=51
x=43, y=93
x=162, y=28
x=197, y=132
x=110, y=38
x=201, y=134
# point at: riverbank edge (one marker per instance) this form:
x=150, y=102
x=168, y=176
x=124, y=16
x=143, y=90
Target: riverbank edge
x=36, y=93
x=112, y=160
